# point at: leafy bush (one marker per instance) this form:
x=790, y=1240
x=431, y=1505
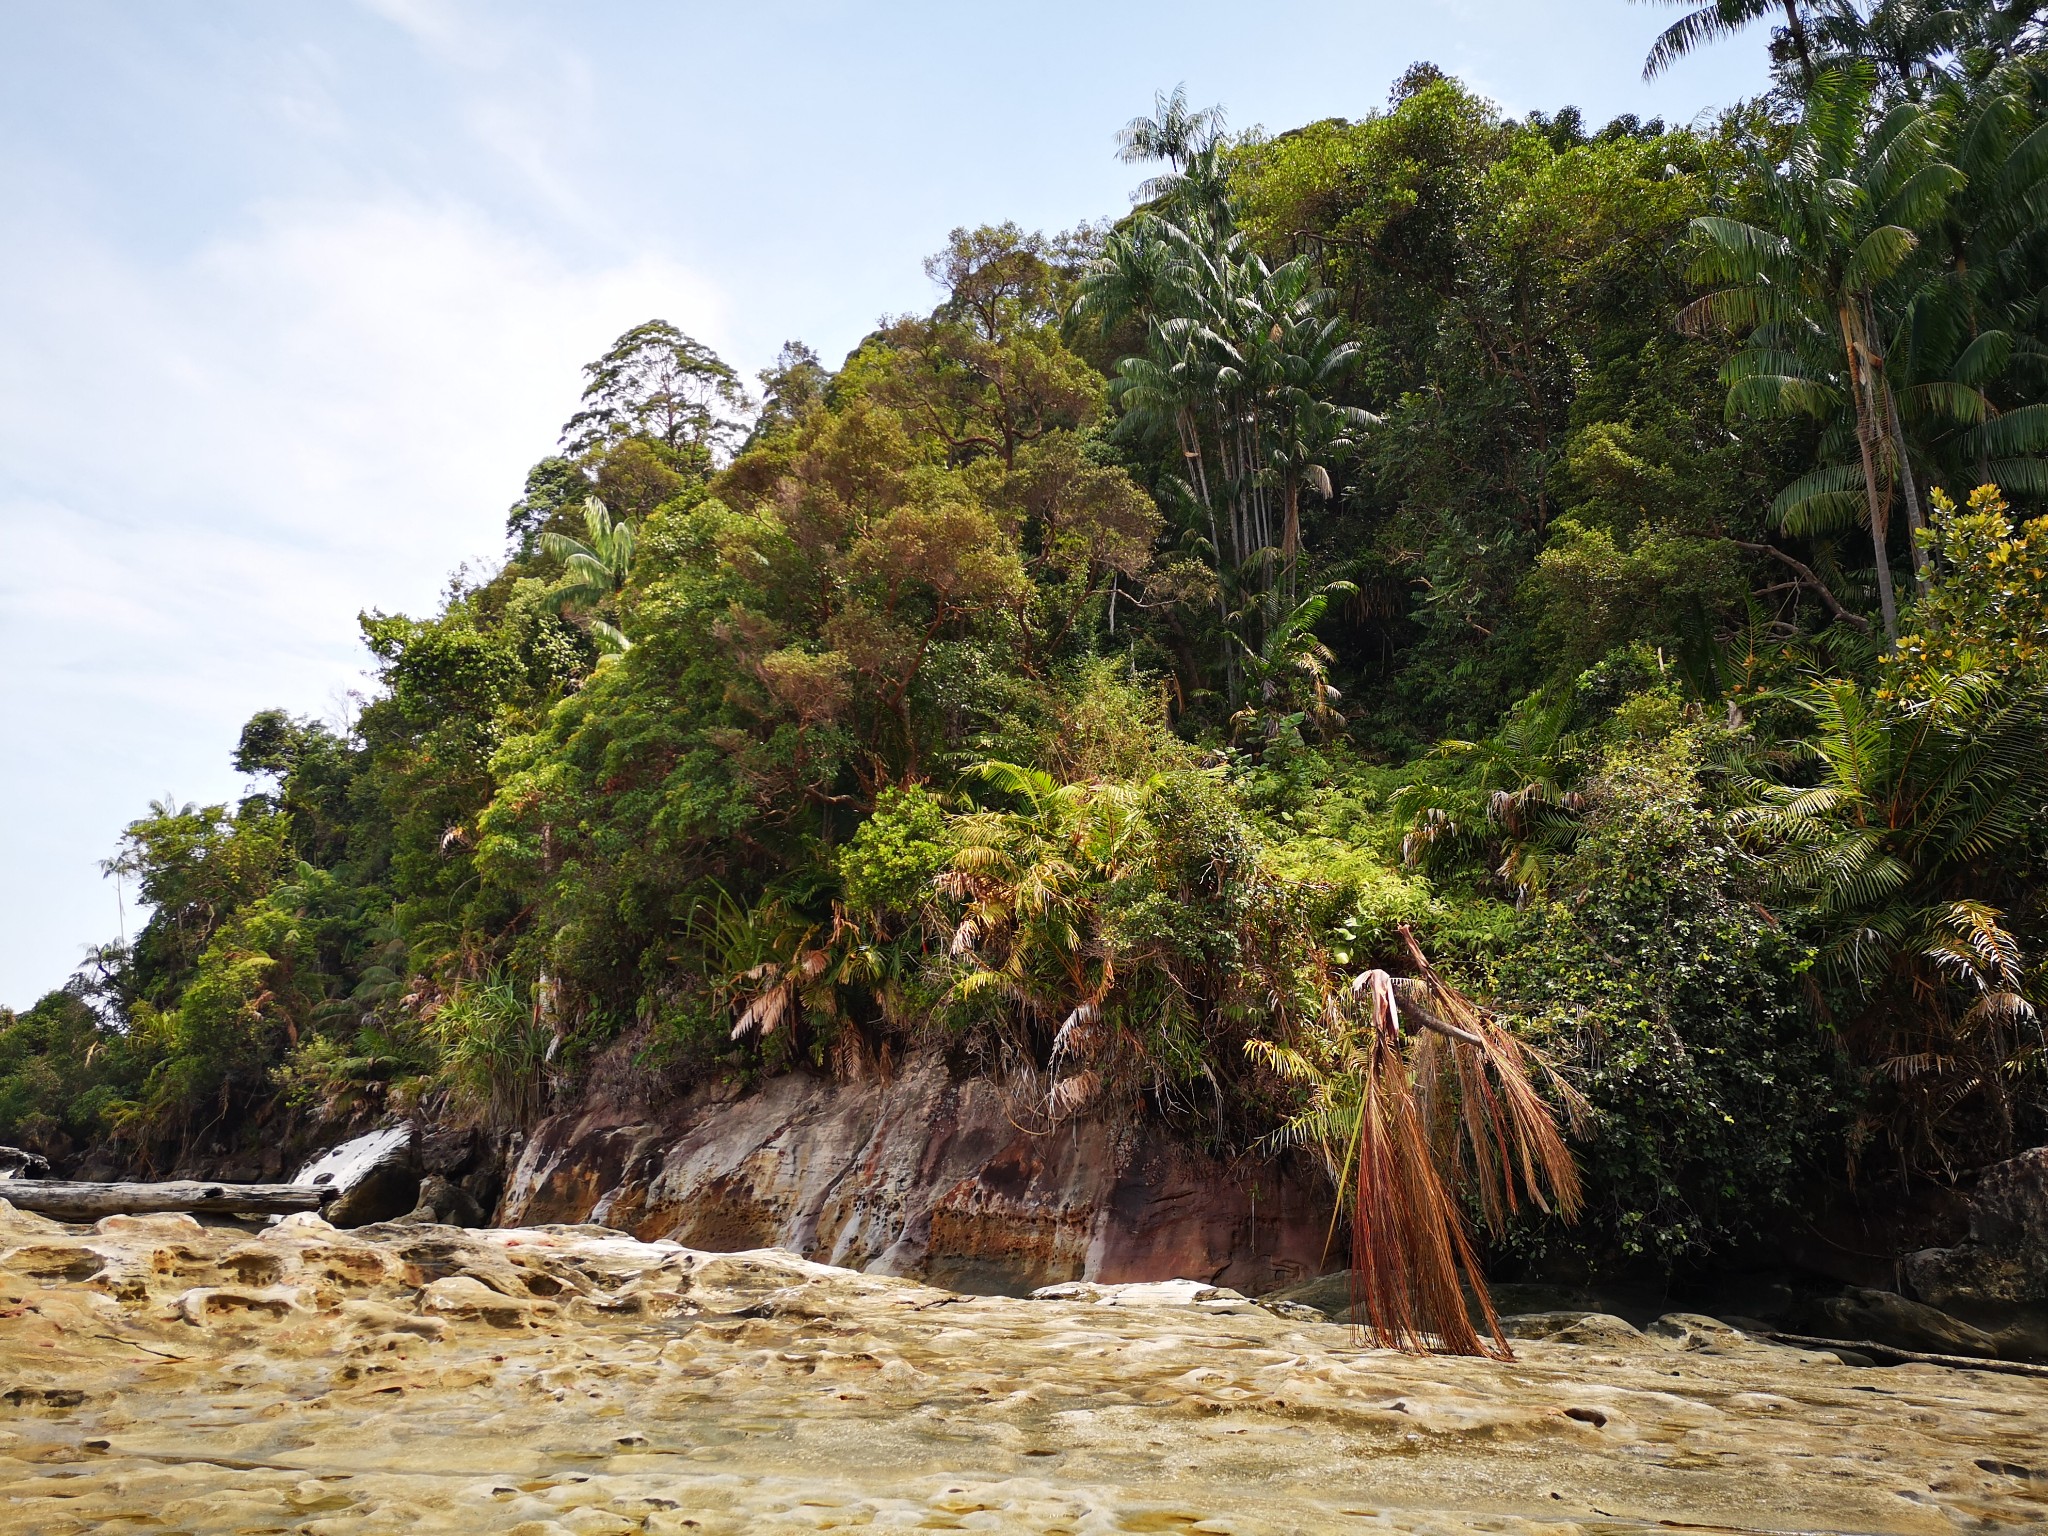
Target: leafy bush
x=1673, y=996
x=890, y=864
x=494, y=1050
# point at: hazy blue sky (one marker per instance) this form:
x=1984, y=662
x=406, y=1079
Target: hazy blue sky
x=291, y=293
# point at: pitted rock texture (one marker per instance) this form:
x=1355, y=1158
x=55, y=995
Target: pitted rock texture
x=159, y=1376
x=926, y=1175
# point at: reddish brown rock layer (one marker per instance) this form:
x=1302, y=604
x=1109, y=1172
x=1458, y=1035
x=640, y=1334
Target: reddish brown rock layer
x=926, y=1176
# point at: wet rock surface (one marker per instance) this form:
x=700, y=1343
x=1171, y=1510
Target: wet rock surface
x=159, y=1375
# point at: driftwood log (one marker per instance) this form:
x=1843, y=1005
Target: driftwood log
x=1906, y=1356
x=89, y=1202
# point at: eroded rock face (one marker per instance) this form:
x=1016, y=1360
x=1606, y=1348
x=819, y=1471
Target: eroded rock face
x=2004, y=1259
x=570, y=1381
x=1996, y=1278
x=924, y=1176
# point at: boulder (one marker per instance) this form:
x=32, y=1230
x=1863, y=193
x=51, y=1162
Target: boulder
x=446, y=1204
x=17, y=1164
x=1328, y=1295
x=467, y=1159
x=1885, y=1317
x=1596, y=1328
x=2004, y=1258
x=1996, y=1276
x=378, y=1175
x=1148, y=1293
x=1696, y=1331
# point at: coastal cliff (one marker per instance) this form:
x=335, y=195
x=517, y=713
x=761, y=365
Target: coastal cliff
x=922, y=1174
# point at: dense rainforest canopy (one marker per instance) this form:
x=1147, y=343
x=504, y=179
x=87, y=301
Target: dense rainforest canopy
x=1613, y=555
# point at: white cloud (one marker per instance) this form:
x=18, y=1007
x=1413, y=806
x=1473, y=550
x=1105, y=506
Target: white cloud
x=207, y=468
x=454, y=32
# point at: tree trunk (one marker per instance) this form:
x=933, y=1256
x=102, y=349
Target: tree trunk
x=1866, y=434
x=1290, y=534
x=1914, y=521
x=1796, y=25
x=89, y=1202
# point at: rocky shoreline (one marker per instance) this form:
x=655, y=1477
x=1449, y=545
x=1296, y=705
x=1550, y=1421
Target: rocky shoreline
x=928, y=1174
x=158, y=1374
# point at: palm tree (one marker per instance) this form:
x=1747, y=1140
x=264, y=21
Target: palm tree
x=593, y=570
x=1912, y=801
x=1025, y=927
x=1971, y=354
x=1304, y=361
x=1916, y=45
x=1912, y=44
x=1239, y=363
x=1520, y=801
x=1724, y=18
x=1412, y=1090
x=1030, y=932
x=1175, y=133
x=1844, y=204
x=1288, y=676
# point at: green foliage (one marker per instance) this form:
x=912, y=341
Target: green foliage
x=660, y=386
x=889, y=866
x=494, y=1050
x=1592, y=594
x=61, y=1068
x=1671, y=997
x=1086, y=674
x=1988, y=610
x=1913, y=836
x=593, y=571
x=1510, y=290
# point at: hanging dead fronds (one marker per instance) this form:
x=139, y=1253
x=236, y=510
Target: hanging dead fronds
x=1416, y=1096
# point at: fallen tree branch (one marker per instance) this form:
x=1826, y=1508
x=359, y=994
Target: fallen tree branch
x=65, y=1201
x=1808, y=579
x=1913, y=1356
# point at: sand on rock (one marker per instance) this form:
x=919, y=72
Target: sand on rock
x=160, y=1376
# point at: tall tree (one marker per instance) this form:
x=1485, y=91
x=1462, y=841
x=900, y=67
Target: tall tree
x=987, y=372
x=1175, y=133
x=1844, y=203
x=1970, y=358
x=1240, y=364
x=1717, y=19
x=789, y=390
x=657, y=383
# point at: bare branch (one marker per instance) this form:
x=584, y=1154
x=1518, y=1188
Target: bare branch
x=1809, y=580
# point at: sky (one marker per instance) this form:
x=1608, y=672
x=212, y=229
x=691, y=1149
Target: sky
x=293, y=291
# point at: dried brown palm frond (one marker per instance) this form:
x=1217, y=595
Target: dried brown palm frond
x=1073, y=1093
x=767, y=1008
x=1492, y=1125
x=1414, y=1092
x=1081, y=1034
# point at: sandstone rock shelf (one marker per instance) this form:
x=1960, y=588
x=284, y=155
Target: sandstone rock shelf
x=160, y=1376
